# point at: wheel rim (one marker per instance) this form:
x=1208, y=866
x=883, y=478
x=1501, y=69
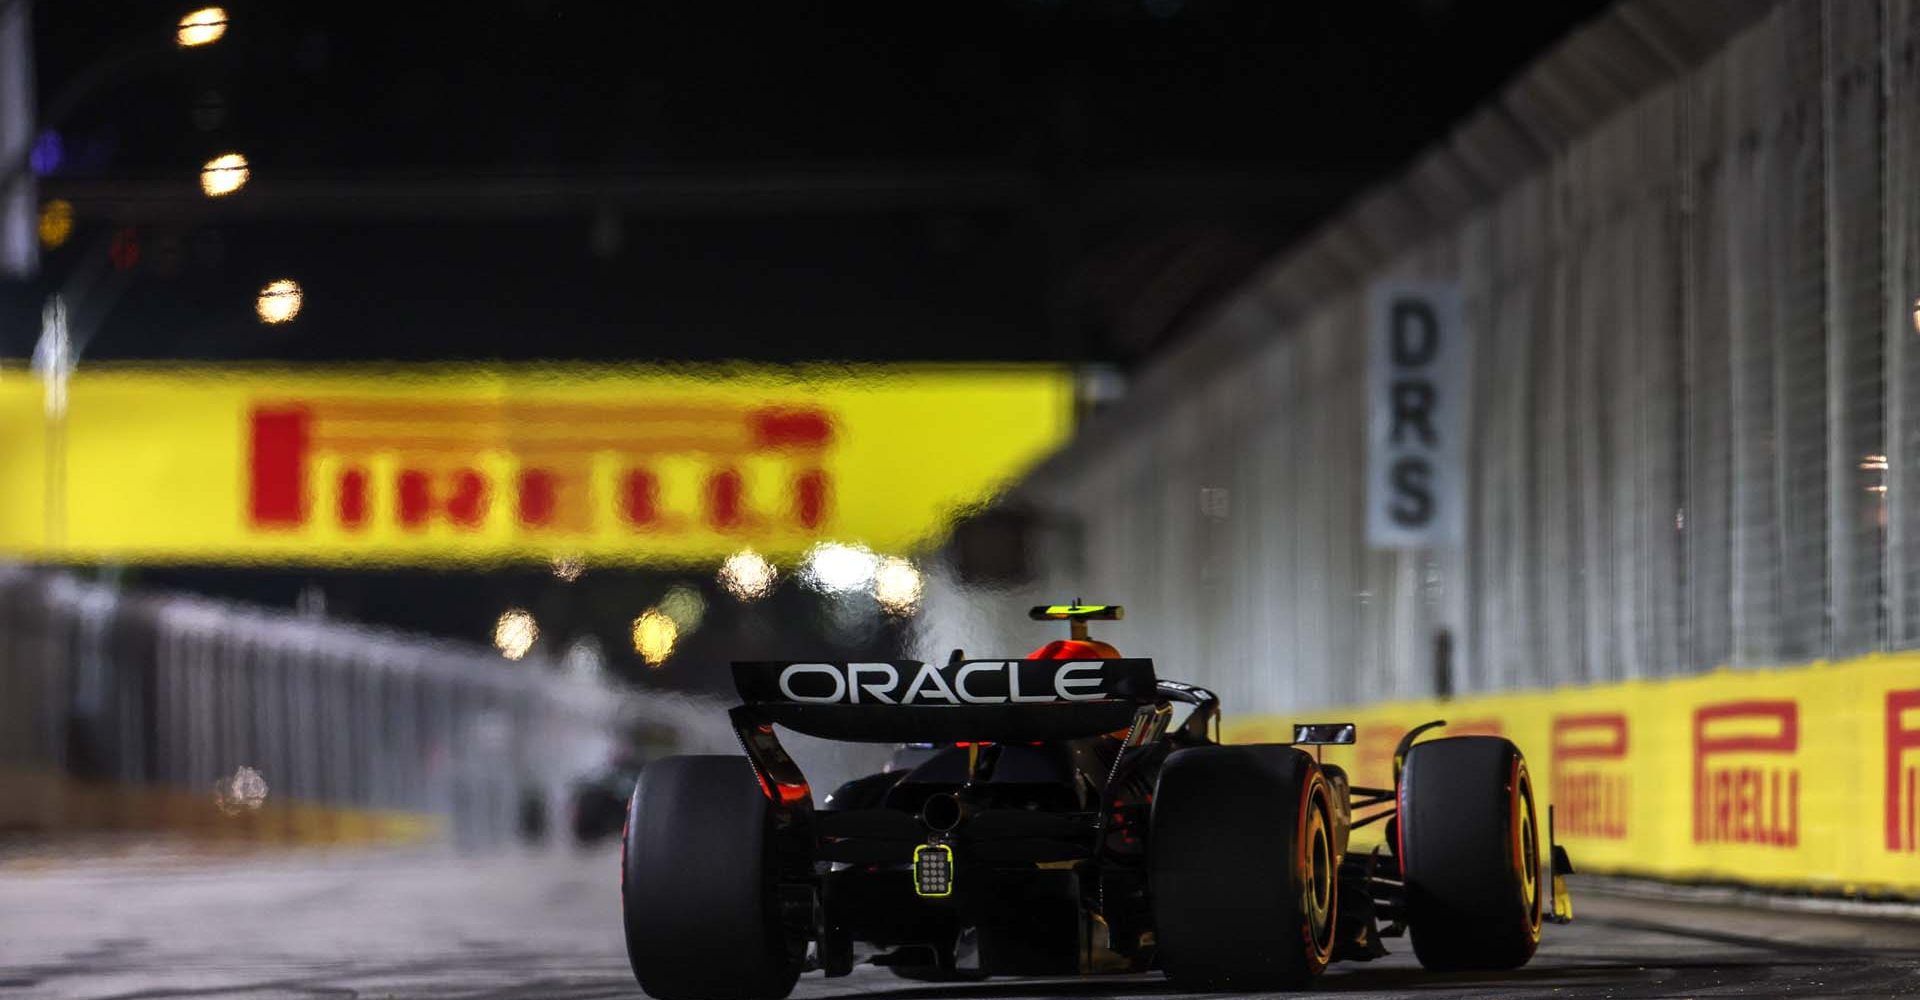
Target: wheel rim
x=1529, y=861
x=1318, y=878
x=1526, y=841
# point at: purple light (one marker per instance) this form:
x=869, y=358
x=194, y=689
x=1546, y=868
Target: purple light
x=48, y=153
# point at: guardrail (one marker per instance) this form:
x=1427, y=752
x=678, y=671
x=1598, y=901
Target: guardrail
x=125, y=711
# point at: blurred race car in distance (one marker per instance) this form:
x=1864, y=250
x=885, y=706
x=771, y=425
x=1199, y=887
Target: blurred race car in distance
x=597, y=800
x=1074, y=814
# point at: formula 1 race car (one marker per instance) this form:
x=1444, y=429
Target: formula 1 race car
x=1072, y=814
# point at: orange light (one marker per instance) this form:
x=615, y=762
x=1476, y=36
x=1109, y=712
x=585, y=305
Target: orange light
x=654, y=636
x=748, y=575
x=224, y=174
x=514, y=633
x=279, y=302
x=202, y=27
x=568, y=566
x=56, y=223
x=897, y=585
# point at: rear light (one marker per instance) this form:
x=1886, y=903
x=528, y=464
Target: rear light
x=933, y=870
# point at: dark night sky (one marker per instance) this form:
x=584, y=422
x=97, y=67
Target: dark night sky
x=1089, y=172
x=991, y=179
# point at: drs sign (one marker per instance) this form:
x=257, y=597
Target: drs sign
x=1417, y=397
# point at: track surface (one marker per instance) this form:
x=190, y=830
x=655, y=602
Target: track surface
x=547, y=927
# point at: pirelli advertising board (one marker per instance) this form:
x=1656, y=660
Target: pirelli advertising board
x=1806, y=777
x=461, y=465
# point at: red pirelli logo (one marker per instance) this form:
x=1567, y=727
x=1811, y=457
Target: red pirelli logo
x=438, y=474
x=1590, y=779
x=1903, y=778
x=1736, y=800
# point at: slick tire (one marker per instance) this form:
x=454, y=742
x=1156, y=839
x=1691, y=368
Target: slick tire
x=1243, y=877
x=1470, y=853
x=697, y=884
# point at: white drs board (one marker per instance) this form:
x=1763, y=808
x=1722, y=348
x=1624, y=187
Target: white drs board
x=1417, y=404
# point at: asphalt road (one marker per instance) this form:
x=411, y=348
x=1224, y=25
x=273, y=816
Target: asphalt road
x=521, y=926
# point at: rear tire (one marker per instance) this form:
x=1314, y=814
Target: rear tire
x=1243, y=877
x=698, y=884
x=1470, y=853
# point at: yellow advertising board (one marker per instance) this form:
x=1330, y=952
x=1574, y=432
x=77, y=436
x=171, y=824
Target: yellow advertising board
x=435, y=465
x=1806, y=777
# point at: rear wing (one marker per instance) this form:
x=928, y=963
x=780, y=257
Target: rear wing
x=906, y=701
